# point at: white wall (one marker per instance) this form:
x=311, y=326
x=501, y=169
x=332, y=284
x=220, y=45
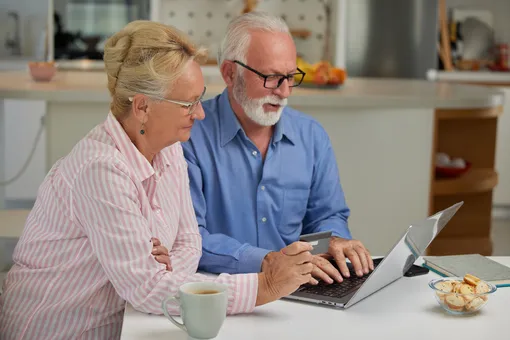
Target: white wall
x=33, y=18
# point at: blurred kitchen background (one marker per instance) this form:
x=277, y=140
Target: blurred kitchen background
x=81, y=26
x=369, y=38
x=380, y=38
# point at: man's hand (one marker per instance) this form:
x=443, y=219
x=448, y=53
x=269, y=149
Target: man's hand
x=291, y=259
x=324, y=270
x=355, y=251
x=160, y=253
x=285, y=271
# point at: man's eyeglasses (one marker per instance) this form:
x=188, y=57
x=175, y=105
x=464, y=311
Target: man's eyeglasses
x=191, y=106
x=273, y=81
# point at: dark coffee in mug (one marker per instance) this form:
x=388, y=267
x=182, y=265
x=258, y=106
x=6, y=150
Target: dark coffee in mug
x=206, y=291
x=203, y=308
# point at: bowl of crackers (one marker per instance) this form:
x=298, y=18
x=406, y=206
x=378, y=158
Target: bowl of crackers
x=462, y=295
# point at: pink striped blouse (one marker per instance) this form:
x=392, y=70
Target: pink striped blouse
x=86, y=246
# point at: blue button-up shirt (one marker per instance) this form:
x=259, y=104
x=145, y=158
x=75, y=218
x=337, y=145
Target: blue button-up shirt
x=247, y=206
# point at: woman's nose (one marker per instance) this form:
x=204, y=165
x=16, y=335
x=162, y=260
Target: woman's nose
x=199, y=112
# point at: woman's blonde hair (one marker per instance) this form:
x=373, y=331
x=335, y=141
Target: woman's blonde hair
x=145, y=57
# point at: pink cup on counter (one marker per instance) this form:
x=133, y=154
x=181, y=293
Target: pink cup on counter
x=42, y=71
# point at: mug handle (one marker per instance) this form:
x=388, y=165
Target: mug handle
x=171, y=318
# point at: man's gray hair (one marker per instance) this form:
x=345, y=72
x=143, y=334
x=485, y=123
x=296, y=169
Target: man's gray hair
x=237, y=39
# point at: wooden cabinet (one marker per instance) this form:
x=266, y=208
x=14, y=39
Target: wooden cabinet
x=502, y=192
x=471, y=135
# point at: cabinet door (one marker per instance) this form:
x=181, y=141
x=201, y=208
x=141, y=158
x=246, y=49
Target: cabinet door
x=502, y=190
x=22, y=122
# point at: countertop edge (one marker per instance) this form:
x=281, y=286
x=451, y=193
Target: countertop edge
x=303, y=101
x=482, y=77
x=361, y=93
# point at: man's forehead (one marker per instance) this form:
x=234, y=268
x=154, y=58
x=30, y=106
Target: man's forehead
x=271, y=51
x=265, y=39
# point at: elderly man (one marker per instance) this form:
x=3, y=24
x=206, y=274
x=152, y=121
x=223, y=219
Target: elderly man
x=261, y=173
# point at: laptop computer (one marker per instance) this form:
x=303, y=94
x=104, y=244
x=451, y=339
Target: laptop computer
x=386, y=270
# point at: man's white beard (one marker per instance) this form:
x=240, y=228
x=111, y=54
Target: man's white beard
x=254, y=107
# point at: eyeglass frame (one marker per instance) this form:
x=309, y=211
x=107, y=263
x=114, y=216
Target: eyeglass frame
x=265, y=76
x=187, y=105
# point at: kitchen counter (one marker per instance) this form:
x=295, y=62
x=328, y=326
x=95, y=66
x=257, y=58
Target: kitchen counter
x=73, y=86
x=472, y=77
x=383, y=133
x=15, y=63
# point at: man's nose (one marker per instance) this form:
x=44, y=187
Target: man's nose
x=284, y=90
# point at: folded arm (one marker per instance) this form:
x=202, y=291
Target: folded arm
x=187, y=248
x=106, y=204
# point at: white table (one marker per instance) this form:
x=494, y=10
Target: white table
x=406, y=309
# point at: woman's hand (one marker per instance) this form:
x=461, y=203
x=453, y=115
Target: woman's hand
x=160, y=253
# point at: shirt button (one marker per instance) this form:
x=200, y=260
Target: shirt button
x=262, y=188
x=264, y=219
x=254, y=153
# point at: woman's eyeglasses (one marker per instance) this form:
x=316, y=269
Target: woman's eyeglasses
x=191, y=106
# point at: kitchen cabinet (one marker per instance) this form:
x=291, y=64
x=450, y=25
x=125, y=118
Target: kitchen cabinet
x=471, y=135
x=502, y=191
x=499, y=81
x=22, y=120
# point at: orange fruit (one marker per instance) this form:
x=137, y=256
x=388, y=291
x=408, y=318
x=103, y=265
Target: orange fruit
x=337, y=75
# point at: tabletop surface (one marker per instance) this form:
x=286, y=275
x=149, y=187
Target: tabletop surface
x=405, y=309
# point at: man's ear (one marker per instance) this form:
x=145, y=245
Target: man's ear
x=140, y=107
x=227, y=70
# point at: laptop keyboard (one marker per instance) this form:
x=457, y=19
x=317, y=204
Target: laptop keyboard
x=337, y=290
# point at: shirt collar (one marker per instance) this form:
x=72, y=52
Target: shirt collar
x=142, y=168
x=230, y=126
x=284, y=128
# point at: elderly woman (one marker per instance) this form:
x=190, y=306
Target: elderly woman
x=89, y=243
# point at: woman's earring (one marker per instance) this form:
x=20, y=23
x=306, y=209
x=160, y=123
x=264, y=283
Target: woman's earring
x=142, y=129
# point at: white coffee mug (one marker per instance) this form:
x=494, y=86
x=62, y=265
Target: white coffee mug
x=203, y=308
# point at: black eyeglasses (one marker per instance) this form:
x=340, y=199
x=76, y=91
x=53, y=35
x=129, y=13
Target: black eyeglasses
x=273, y=81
